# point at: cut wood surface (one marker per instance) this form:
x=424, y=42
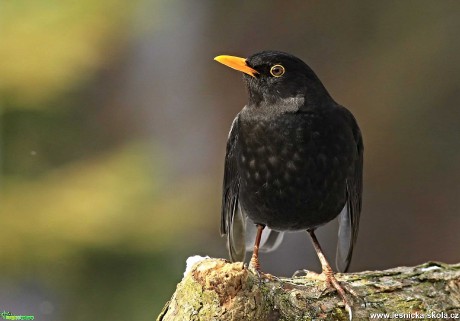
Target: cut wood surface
x=214, y=289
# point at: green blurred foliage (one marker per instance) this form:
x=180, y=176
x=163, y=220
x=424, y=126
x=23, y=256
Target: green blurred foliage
x=87, y=210
x=115, y=204
x=50, y=46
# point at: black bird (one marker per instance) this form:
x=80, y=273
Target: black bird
x=294, y=161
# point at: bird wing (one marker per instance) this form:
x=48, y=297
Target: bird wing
x=349, y=217
x=232, y=218
x=240, y=229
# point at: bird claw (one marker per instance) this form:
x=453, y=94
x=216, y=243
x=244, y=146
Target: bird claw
x=255, y=270
x=271, y=277
x=310, y=275
x=300, y=273
x=262, y=275
x=332, y=281
x=350, y=290
x=350, y=313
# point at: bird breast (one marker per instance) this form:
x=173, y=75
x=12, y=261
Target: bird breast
x=293, y=164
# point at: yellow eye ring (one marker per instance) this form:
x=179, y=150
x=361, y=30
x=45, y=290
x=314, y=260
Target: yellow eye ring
x=277, y=70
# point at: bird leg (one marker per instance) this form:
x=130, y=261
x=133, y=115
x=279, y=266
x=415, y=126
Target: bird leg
x=328, y=273
x=254, y=263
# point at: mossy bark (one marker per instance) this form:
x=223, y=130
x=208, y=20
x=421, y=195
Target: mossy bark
x=217, y=290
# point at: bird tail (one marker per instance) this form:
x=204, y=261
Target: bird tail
x=242, y=236
x=270, y=239
x=345, y=241
x=236, y=236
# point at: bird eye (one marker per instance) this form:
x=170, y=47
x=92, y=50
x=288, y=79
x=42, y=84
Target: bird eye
x=277, y=70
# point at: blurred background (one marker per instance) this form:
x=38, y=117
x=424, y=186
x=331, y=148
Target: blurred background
x=114, y=120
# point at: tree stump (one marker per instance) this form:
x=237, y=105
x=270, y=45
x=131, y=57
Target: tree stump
x=214, y=289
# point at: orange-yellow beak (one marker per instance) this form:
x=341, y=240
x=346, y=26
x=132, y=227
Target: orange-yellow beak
x=236, y=63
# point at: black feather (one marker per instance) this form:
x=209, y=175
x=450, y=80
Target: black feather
x=232, y=219
x=349, y=220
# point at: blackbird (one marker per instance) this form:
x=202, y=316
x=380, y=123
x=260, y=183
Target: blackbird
x=294, y=161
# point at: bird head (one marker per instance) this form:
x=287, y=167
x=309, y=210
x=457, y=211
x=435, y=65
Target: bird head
x=274, y=76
